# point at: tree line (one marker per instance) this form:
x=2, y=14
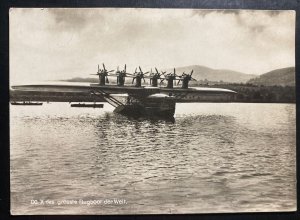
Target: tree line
x=259, y=93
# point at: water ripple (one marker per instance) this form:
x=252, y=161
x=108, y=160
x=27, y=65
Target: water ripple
x=213, y=158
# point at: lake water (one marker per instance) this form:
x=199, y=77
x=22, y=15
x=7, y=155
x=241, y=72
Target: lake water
x=230, y=157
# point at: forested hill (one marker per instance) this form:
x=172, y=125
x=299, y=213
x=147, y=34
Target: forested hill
x=203, y=73
x=278, y=77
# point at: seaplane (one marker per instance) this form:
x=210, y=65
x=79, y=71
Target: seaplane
x=158, y=98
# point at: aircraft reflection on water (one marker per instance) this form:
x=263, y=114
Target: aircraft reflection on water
x=134, y=101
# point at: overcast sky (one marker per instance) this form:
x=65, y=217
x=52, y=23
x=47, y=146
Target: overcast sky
x=49, y=44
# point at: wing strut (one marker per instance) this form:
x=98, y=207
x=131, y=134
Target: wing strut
x=111, y=100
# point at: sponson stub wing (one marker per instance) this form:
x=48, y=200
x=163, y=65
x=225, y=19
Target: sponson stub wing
x=160, y=96
x=126, y=99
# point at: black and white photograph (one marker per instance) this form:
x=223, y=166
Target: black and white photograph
x=129, y=111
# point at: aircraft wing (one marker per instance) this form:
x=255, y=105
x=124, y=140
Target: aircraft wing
x=53, y=93
x=200, y=94
x=72, y=92
x=80, y=92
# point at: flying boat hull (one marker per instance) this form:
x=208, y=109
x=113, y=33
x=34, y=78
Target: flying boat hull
x=128, y=100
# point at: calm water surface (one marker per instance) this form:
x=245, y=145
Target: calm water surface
x=231, y=157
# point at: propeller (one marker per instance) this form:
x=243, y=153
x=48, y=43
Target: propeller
x=191, y=76
x=140, y=69
x=98, y=71
x=161, y=81
x=122, y=73
x=159, y=74
x=140, y=74
x=105, y=70
x=151, y=74
x=185, y=76
x=103, y=73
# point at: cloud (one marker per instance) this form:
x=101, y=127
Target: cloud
x=203, y=13
x=61, y=43
x=74, y=20
x=242, y=17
